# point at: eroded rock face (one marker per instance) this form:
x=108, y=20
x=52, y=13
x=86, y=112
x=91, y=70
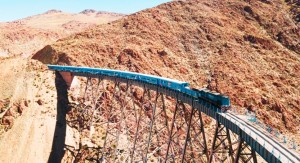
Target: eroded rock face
x=249, y=49
x=11, y=111
x=8, y=120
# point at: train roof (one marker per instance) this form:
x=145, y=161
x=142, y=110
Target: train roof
x=100, y=70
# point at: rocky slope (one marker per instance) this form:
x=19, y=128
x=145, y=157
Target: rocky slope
x=25, y=36
x=28, y=93
x=294, y=6
x=249, y=49
x=27, y=113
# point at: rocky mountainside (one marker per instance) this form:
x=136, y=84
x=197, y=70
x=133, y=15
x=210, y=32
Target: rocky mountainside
x=294, y=6
x=25, y=36
x=249, y=49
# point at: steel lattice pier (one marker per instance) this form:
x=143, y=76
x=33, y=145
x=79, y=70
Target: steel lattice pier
x=136, y=123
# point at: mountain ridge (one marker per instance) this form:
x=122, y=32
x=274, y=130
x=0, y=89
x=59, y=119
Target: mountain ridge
x=25, y=36
x=249, y=49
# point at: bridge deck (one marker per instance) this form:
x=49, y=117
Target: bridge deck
x=277, y=149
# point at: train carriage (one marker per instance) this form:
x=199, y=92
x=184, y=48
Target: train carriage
x=203, y=94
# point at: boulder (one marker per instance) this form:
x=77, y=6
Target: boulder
x=138, y=94
x=40, y=102
x=264, y=100
x=26, y=103
x=278, y=107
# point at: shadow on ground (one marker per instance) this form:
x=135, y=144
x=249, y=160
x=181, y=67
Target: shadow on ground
x=57, y=151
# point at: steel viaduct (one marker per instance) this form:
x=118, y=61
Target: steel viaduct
x=166, y=125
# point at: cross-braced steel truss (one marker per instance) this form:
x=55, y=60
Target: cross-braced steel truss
x=245, y=153
x=222, y=150
x=226, y=147
x=127, y=123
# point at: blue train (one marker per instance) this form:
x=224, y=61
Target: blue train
x=214, y=98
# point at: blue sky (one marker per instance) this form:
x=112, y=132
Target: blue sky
x=11, y=10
